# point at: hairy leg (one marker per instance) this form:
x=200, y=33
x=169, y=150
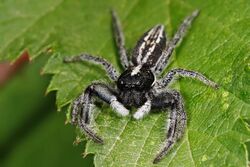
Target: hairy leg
x=162, y=83
x=82, y=107
x=119, y=39
x=176, y=122
x=161, y=64
x=111, y=71
x=143, y=110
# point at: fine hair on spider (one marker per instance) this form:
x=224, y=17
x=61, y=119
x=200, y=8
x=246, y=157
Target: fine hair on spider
x=140, y=84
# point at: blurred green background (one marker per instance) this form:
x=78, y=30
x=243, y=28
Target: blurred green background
x=32, y=132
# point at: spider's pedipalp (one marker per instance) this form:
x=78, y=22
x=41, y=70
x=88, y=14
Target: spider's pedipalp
x=143, y=110
x=163, y=60
x=119, y=39
x=111, y=71
x=118, y=107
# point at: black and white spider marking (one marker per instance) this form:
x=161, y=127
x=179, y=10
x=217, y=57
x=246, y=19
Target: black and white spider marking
x=140, y=85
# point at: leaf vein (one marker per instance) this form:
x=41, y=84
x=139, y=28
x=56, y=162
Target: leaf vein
x=146, y=138
x=113, y=145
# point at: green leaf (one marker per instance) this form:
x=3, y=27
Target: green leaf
x=216, y=45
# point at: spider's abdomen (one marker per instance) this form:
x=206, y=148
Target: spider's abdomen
x=150, y=46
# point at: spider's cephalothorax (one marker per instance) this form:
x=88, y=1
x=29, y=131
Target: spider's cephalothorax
x=133, y=84
x=140, y=85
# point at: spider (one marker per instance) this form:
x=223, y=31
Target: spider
x=140, y=85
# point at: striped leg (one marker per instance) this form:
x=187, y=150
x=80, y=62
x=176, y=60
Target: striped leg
x=176, y=124
x=119, y=39
x=161, y=64
x=184, y=73
x=81, y=112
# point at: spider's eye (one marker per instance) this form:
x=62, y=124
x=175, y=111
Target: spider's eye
x=140, y=80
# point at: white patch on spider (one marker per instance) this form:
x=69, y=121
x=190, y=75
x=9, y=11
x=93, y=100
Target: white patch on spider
x=149, y=34
x=153, y=82
x=168, y=123
x=150, y=50
x=160, y=34
x=142, y=47
x=143, y=110
x=136, y=70
x=145, y=39
x=118, y=107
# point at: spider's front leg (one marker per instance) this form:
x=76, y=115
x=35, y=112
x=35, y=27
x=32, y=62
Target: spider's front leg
x=176, y=122
x=81, y=113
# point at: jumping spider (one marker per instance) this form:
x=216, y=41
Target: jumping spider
x=140, y=85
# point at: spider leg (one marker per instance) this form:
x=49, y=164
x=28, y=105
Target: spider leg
x=111, y=71
x=162, y=62
x=82, y=107
x=176, y=122
x=119, y=39
x=184, y=73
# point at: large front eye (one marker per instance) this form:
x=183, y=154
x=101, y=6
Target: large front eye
x=120, y=84
x=146, y=80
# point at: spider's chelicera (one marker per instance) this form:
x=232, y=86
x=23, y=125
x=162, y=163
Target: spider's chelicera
x=140, y=85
